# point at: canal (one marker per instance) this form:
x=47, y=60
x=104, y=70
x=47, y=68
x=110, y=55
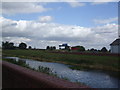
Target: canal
x=94, y=79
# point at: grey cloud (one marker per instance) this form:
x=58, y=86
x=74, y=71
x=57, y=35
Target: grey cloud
x=14, y=24
x=10, y=8
x=105, y=21
x=76, y=4
x=11, y=24
x=15, y=34
x=33, y=30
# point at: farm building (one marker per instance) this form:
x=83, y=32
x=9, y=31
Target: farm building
x=78, y=48
x=74, y=48
x=64, y=46
x=115, y=46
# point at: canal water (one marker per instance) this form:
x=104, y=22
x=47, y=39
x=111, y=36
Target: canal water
x=94, y=79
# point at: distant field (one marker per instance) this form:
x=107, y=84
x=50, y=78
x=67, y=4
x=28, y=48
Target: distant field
x=78, y=61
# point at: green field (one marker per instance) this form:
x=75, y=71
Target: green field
x=109, y=63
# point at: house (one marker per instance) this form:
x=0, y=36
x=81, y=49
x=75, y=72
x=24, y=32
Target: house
x=78, y=48
x=115, y=46
x=74, y=48
x=64, y=46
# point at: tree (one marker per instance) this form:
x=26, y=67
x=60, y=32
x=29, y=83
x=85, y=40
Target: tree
x=8, y=45
x=5, y=45
x=11, y=45
x=51, y=48
x=47, y=47
x=67, y=47
x=22, y=45
x=99, y=50
x=54, y=48
x=81, y=48
x=104, y=49
x=92, y=49
x=109, y=50
x=88, y=50
x=30, y=47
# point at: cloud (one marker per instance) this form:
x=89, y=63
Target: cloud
x=105, y=21
x=76, y=4
x=16, y=40
x=34, y=33
x=96, y=2
x=60, y=1
x=11, y=8
x=45, y=18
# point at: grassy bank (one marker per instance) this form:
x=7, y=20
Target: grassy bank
x=42, y=69
x=39, y=69
x=78, y=61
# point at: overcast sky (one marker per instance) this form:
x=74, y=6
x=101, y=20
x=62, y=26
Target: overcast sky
x=90, y=24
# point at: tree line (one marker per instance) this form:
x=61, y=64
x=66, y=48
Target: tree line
x=79, y=49
x=101, y=50
x=51, y=48
x=10, y=45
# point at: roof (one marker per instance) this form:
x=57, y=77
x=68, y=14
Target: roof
x=116, y=42
x=74, y=48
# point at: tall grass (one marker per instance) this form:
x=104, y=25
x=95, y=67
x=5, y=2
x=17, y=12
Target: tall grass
x=79, y=61
x=23, y=64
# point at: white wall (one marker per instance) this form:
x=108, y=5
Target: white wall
x=115, y=49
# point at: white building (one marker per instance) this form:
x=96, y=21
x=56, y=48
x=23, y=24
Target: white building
x=115, y=46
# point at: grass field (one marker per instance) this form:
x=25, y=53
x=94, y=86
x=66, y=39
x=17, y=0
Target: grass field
x=77, y=61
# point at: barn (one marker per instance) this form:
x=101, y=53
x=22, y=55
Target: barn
x=74, y=48
x=115, y=46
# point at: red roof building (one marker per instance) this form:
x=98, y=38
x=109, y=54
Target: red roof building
x=74, y=48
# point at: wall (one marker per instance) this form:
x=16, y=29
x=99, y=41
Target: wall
x=0, y=74
x=15, y=76
x=115, y=49
x=0, y=68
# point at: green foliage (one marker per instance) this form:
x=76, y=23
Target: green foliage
x=93, y=50
x=19, y=62
x=65, y=78
x=22, y=45
x=51, y=48
x=8, y=45
x=67, y=47
x=29, y=47
x=44, y=69
x=23, y=64
x=104, y=49
x=48, y=47
x=80, y=83
x=81, y=48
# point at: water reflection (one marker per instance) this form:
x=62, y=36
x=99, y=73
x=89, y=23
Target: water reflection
x=95, y=79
